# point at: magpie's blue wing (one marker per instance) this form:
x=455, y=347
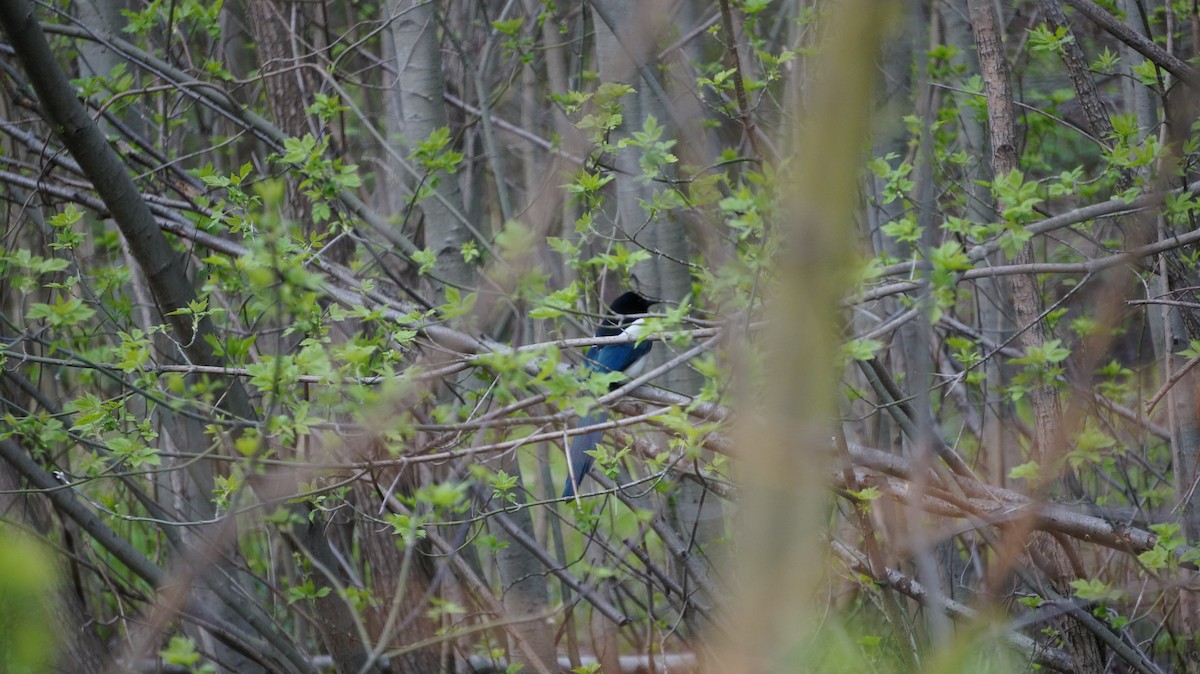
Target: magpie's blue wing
x=603, y=358
x=581, y=460
x=615, y=357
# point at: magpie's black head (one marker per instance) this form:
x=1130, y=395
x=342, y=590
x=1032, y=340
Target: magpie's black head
x=632, y=303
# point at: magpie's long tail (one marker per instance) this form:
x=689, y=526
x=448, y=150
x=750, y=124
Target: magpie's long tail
x=579, y=461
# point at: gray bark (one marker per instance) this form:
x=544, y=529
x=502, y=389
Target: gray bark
x=1002, y=452
x=1079, y=642
x=414, y=111
x=696, y=516
x=288, y=85
x=96, y=59
x=1137, y=98
x=523, y=578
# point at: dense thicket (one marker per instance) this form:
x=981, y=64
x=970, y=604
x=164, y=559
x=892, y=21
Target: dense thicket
x=294, y=296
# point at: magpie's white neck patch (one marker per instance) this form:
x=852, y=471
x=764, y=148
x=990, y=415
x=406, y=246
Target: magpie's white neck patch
x=636, y=329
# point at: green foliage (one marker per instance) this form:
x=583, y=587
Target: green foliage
x=322, y=180
x=1093, y=589
x=1041, y=367
x=326, y=107
x=65, y=238
x=904, y=230
x=866, y=495
x=655, y=157
x=311, y=309
x=861, y=349
x=1090, y=445
x=897, y=182
x=63, y=313
x=1165, y=553
x=605, y=115
x=306, y=591
x=587, y=188
x=1106, y=62
x=181, y=651
x=24, y=268
x=425, y=258
x=1017, y=198
x=1031, y=471
x=457, y=304
x=1046, y=41
x=410, y=529
x=1193, y=350
x=28, y=590
x=193, y=13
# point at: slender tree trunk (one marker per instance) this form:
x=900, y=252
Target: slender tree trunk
x=397, y=588
x=238, y=52
x=1080, y=643
x=1077, y=68
x=523, y=578
x=557, y=59
x=415, y=110
x=1177, y=328
x=999, y=442
x=287, y=79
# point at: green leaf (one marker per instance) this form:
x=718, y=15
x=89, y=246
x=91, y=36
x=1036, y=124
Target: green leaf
x=611, y=91
x=866, y=494
x=510, y=27
x=180, y=651
x=1155, y=558
x=1193, y=350
x=1146, y=73
x=456, y=305
x=65, y=312
x=1049, y=353
x=1044, y=40
x=425, y=259
x=1096, y=590
x=904, y=230
x=1106, y=62
x=1027, y=471
x=950, y=257
x=862, y=349
x=470, y=251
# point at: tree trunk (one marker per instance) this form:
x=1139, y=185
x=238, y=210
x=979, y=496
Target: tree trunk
x=288, y=82
x=624, y=51
x=1027, y=303
x=396, y=587
x=415, y=110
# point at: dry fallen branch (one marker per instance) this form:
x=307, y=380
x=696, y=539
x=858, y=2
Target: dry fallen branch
x=996, y=505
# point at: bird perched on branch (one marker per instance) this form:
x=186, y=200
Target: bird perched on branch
x=626, y=357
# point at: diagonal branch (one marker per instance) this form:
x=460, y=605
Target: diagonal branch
x=65, y=501
x=1142, y=45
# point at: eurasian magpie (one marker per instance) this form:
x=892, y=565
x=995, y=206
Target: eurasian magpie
x=627, y=357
